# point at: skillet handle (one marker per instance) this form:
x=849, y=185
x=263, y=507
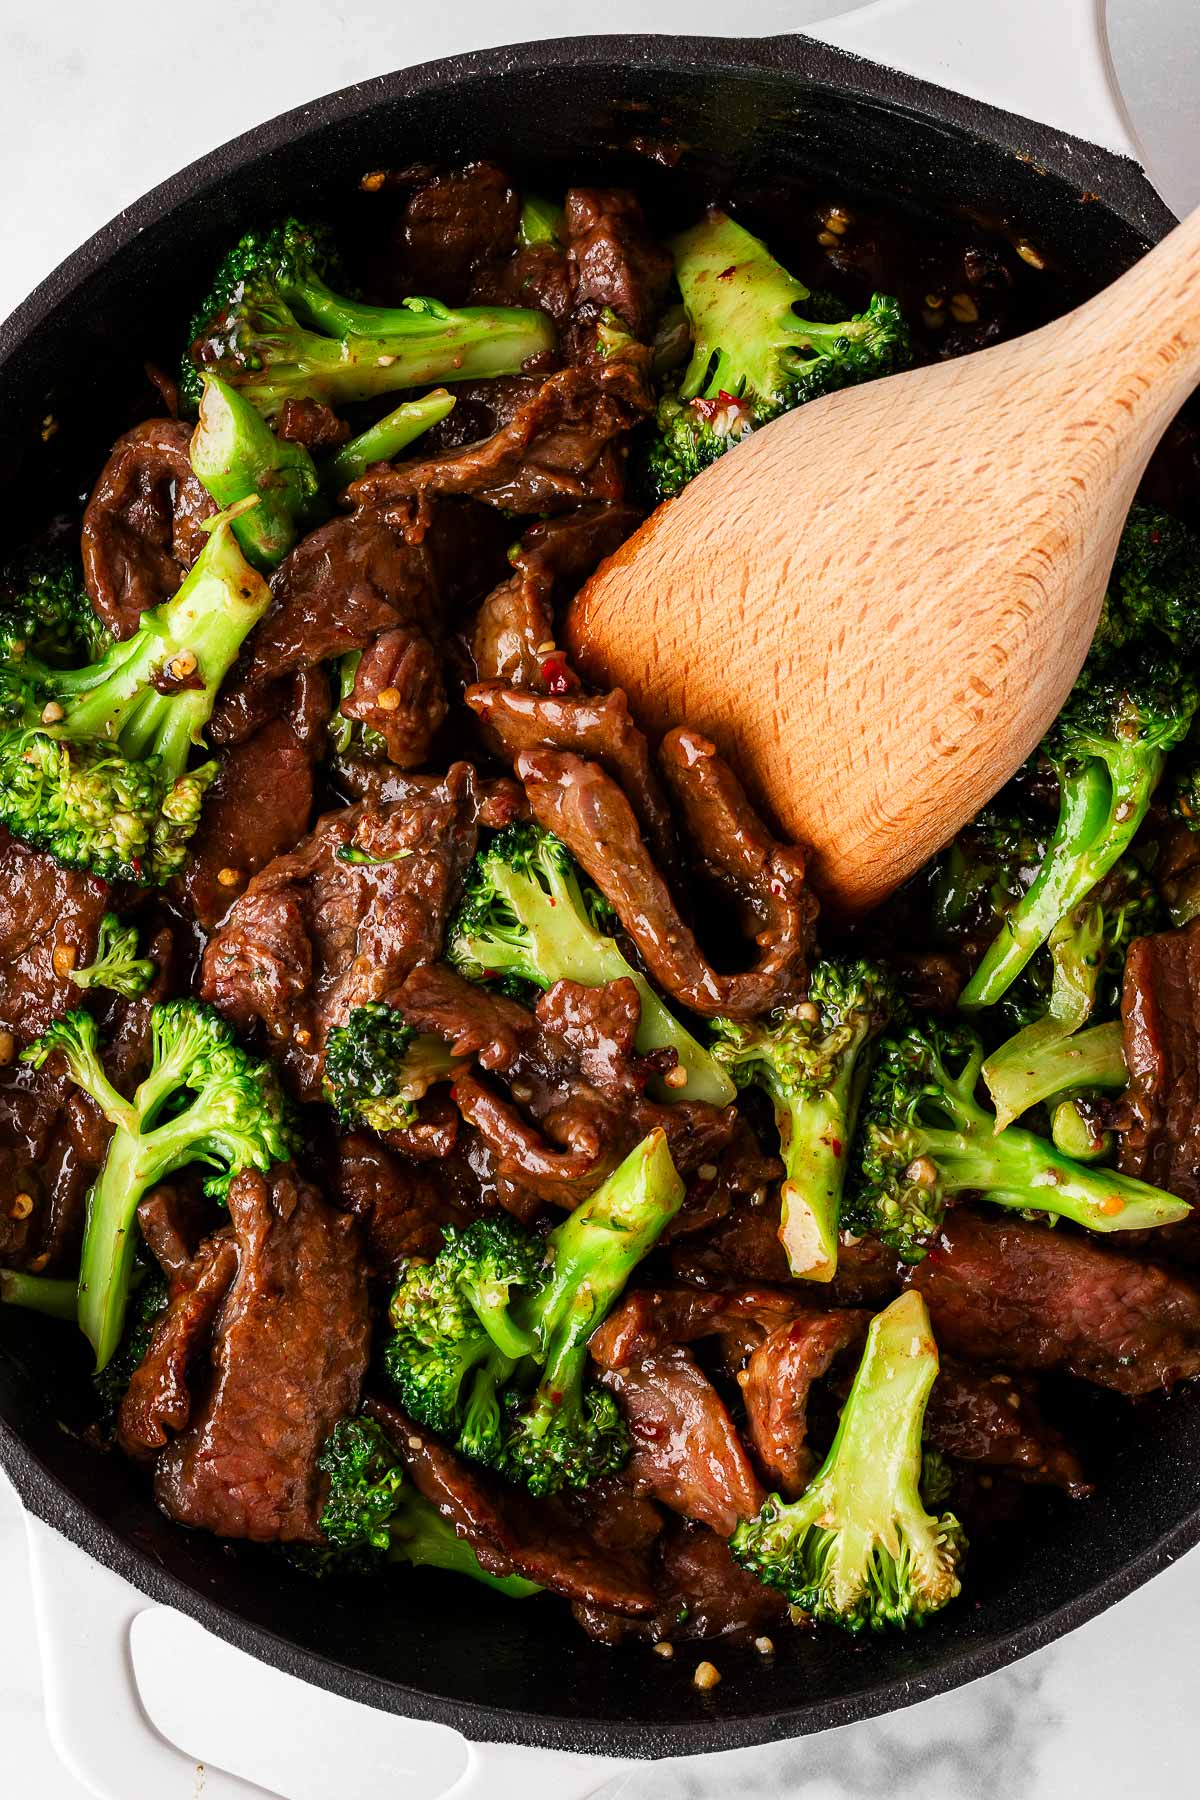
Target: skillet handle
x=102, y=1732
x=1048, y=60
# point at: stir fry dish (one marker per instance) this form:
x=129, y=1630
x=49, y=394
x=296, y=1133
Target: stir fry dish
x=443, y=1121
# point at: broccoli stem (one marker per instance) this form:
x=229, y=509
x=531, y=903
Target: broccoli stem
x=1045, y=1059
x=1076, y=1136
x=193, y=639
x=234, y=454
x=110, y=1242
x=814, y=1139
x=1102, y=806
x=38, y=1293
x=420, y=1536
x=541, y=222
x=385, y=440
x=592, y=1255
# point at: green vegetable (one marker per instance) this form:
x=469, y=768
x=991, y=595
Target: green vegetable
x=94, y=760
x=858, y=1548
x=923, y=1137
x=755, y=354
x=275, y=329
x=490, y=1340
x=529, y=914
x=384, y=440
x=813, y=1061
x=205, y=1100
x=377, y=1068
x=234, y=454
x=47, y=1294
x=118, y=965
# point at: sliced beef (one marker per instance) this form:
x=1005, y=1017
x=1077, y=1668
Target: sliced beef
x=991, y=1418
x=512, y=641
x=52, y=1142
x=510, y=1533
x=557, y=450
x=291, y=1345
x=399, y=692
x=49, y=921
x=744, y=1246
x=311, y=423
x=258, y=807
x=600, y=727
x=1160, y=1012
x=434, y=233
x=304, y=699
x=340, y=587
x=775, y=1389
x=614, y=263
x=534, y=275
x=1003, y=1291
x=315, y=935
x=583, y=806
x=652, y=1319
x=158, y=1401
x=575, y=1101
x=701, y=1593
x=686, y=1452
x=401, y=1209
x=142, y=527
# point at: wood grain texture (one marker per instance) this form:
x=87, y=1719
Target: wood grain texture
x=877, y=604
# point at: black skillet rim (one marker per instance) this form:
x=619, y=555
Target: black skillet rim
x=1125, y=191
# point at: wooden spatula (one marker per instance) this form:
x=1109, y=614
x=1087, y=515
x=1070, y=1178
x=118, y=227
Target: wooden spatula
x=877, y=603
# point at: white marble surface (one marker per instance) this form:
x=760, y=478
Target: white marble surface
x=99, y=104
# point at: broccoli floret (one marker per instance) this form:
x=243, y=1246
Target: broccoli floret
x=924, y=1137
x=377, y=1068
x=1155, y=583
x=94, y=760
x=1086, y=957
x=274, y=328
x=490, y=1339
x=757, y=349
x=372, y=1514
x=813, y=1061
x=529, y=914
x=44, y=608
x=1108, y=747
x=858, y=1548
x=118, y=965
x=205, y=1100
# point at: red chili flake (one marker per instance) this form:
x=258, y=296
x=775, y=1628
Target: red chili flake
x=556, y=1399
x=835, y=1144
x=726, y=273
x=136, y=865
x=557, y=676
x=454, y=1093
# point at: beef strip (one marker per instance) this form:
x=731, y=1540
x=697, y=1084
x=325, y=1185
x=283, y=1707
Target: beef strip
x=258, y=808
x=158, y=1401
x=557, y=450
x=614, y=264
x=401, y=1209
x=446, y=229
x=515, y=624
x=775, y=1388
x=311, y=423
x=52, y=1142
x=244, y=706
x=990, y=1418
x=652, y=1319
x=534, y=275
x=399, y=692
x=596, y=726
x=49, y=922
x=340, y=587
x=1004, y=1291
x=686, y=1453
x=583, y=806
x=142, y=526
x=1160, y=1013
x=291, y=1345
x=314, y=935
x=700, y=1592
x=509, y=1533
x=744, y=1246
x=571, y=1067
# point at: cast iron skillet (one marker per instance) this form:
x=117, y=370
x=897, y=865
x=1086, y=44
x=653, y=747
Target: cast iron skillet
x=747, y=114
